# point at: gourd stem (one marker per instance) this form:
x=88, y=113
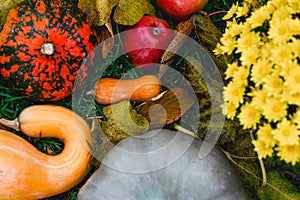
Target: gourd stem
x=14, y=124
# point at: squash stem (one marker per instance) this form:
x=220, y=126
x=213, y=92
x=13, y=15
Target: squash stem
x=14, y=124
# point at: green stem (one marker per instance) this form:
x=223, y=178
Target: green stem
x=262, y=166
x=183, y=130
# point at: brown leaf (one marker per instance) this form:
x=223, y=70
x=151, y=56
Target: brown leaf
x=106, y=38
x=101, y=144
x=169, y=107
x=184, y=29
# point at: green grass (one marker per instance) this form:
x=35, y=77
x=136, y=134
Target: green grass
x=11, y=105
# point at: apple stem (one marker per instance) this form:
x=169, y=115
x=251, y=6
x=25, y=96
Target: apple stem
x=156, y=31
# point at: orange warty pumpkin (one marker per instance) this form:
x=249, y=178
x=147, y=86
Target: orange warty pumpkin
x=42, y=46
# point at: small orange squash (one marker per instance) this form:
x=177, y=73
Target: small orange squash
x=25, y=172
x=112, y=90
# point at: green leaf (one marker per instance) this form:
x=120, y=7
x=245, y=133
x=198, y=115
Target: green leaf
x=194, y=73
x=123, y=121
x=5, y=6
x=129, y=12
x=99, y=11
x=209, y=36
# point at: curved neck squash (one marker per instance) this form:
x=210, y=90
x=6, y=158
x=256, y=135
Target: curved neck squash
x=25, y=172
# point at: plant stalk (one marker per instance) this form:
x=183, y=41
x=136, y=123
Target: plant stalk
x=14, y=124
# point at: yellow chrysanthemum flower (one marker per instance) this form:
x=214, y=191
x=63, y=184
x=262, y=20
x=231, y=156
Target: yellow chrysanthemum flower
x=249, y=56
x=266, y=48
x=262, y=149
x=259, y=98
x=242, y=10
x=229, y=110
x=286, y=133
x=263, y=39
x=247, y=40
x=235, y=29
x=279, y=3
x=289, y=97
x=233, y=93
x=281, y=55
x=281, y=13
x=292, y=79
x=273, y=85
x=231, y=12
x=241, y=75
x=294, y=5
x=218, y=50
x=265, y=133
x=228, y=45
x=295, y=45
x=279, y=30
x=289, y=153
x=274, y=110
x=258, y=17
x=231, y=69
x=260, y=70
x=249, y=116
x=294, y=26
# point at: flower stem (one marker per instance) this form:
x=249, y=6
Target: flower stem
x=262, y=166
x=217, y=12
x=183, y=130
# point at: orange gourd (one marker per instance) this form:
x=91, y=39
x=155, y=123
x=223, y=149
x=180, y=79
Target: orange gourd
x=112, y=90
x=25, y=172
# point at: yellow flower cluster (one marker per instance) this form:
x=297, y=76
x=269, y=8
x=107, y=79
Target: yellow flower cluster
x=263, y=78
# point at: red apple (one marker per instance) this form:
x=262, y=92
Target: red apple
x=146, y=41
x=181, y=9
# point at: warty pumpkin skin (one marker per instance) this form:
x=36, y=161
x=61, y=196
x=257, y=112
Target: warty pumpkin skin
x=42, y=46
x=25, y=172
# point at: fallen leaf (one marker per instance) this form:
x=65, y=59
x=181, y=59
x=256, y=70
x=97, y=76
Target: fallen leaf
x=207, y=91
x=184, y=29
x=166, y=109
x=5, y=6
x=129, y=12
x=99, y=11
x=100, y=143
x=106, y=38
x=123, y=121
x=209, y=36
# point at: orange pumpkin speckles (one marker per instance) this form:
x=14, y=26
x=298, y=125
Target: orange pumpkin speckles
x=42, y=46
x=41, y=7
